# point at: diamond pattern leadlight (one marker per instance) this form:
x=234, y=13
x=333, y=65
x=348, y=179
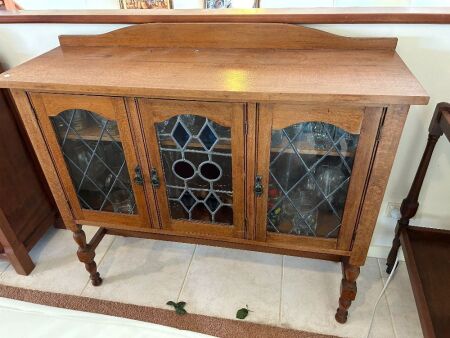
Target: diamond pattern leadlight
x=207, y=137
x=196, y=157
x=212, y=202
x=180, y=135
x=95, y=160
x=310, y=171
x=188, y=200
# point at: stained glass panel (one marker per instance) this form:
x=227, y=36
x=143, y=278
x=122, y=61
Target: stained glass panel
x=310, y=169
x=95, y=160
x=196, y=158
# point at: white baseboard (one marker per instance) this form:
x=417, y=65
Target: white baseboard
x=379, y=251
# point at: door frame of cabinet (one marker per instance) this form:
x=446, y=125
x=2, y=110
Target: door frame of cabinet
x=252, y=228
x=227, y=114
x=363, y=121
x=47, y=105
x=393, y=118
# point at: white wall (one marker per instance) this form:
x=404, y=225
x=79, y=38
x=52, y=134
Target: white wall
x=426, y=51
x=424, y=48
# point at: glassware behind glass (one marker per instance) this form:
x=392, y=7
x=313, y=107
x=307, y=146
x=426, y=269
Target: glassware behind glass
x=95, y=159
x=310, y=168
x=305, y=200
x=320, y=136
x=112, y=130
x=79, y=119
x=121, y=202
x=329, y=178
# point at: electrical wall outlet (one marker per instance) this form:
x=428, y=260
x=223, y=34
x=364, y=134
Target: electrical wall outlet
x=393, y=210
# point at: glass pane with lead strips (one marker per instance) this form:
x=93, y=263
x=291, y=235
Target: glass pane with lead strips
x=197, y=164
x=310, y=168
x=95, y=159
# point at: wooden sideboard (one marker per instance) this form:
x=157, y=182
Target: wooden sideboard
x=267, y=137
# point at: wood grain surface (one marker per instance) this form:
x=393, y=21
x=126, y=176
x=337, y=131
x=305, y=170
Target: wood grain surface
x=315, y=74
x=416, y=15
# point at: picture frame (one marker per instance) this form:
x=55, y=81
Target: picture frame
x=146, y=4
x=222, y=4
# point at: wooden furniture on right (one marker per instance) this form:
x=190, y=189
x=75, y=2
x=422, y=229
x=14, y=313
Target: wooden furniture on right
x=426, y=250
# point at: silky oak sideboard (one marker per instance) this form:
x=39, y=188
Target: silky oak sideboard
x=266, y=137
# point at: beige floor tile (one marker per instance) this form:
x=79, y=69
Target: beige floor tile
x=142, y=271
x=220, y=281
x=4, y=264
x=57, y=266
x=311, y=293
x=401, y=303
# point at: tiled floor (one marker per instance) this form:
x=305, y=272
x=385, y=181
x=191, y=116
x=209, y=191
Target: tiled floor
x=287, y=291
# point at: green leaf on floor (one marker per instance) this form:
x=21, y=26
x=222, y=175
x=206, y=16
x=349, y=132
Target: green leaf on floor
x=179, y=307
x=242, y=313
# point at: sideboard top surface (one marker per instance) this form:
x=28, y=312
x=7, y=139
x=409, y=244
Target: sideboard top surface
x=242, y=62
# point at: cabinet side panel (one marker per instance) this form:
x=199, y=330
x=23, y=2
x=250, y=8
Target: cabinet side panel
x=361, y=168
x=384, y=158
x=34, y=132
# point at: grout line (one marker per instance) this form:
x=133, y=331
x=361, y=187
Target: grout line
x=386, y=298
x=391, y=316
x=4, y=270
x=99, y=262
x=187, y=272
x=281, y=291
x=387, y=301
x=380, y=269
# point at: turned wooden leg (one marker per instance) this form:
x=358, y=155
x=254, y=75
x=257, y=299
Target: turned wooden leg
x=348, y=290
x=410, y=204
x=394, y=249
x=86, y=255
x=392, y=254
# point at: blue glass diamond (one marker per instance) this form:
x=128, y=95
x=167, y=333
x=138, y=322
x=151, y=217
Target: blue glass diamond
x=212, y=202
x=187, y=199
x=180, y=135
x=207, y=137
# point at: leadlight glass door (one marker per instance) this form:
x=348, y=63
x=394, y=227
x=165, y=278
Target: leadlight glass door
x=90, y=141
x=312, y=165
x=196, y=150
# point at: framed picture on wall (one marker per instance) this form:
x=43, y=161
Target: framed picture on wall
x=145, y=4
x=216, y=4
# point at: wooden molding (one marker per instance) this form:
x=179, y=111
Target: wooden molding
x=249, y=62
x=355, y=15
x=382, y=163
x=225, y=36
